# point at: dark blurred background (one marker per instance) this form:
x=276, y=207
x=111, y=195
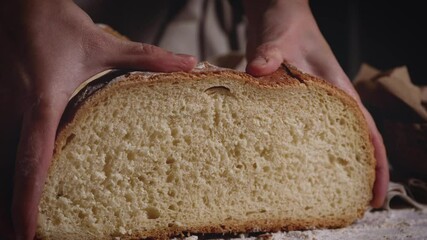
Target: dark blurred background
x=382, y=33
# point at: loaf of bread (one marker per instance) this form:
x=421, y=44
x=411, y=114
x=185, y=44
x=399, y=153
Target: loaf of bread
x=212, y=151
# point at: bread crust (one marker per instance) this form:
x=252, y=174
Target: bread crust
x=285, y=77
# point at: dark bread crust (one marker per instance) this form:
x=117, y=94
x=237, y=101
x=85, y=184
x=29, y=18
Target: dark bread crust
x=286, y=76
x=235, y=227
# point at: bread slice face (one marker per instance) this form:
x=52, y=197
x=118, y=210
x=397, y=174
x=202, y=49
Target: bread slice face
x=212, y=151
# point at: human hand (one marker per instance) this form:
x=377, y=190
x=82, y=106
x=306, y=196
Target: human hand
x=285, y=30
x=48, y=48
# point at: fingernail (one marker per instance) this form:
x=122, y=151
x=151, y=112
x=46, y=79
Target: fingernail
x=187, y=58
x=184, y=55
x=260, y=61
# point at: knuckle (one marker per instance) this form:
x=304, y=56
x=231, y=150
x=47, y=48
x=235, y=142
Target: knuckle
x=42, y=107
x=132, y=48
x=269, y=49
x=27, y=162
x=92, y=43
x=95, y=44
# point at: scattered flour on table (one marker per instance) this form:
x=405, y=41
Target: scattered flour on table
x=393, y=225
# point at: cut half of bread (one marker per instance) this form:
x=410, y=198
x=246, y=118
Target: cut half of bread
x=211, y=151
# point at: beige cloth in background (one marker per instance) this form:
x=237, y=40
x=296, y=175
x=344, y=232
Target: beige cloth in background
x=199, y=22
x=400, y=110
x=196, y=30
x=381, y=89
x=406, y=193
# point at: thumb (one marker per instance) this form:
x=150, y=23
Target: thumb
x=266, y=59
x=142, y=56
x=34, y=156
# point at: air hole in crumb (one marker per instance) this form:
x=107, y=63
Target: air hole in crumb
x=342, y=161
x=236, y=151
x=152, y=213
x=68, y=140
x=170, y=160
x=218, y=90
x=129, y=197
x=249, y=213
x=142, y=178
x=60, y=192
x=206, y=200
x=56, y=222
x=172, y=193
x=358, y=157
x=255, y=165
x=127, y=136
x=131, y=156
x=174, y=132
x=187, y=140
x=170, y=178
x=81, y=215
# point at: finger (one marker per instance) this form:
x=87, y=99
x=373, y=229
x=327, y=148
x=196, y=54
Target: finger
x=382, y=173
x=381, y=168
x=33, y=160
x=141, y=56
x=266, y=60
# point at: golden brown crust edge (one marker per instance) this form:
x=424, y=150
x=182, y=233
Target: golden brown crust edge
x=286, y=76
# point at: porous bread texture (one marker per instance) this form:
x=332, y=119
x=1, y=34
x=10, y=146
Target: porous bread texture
x=214, y=151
